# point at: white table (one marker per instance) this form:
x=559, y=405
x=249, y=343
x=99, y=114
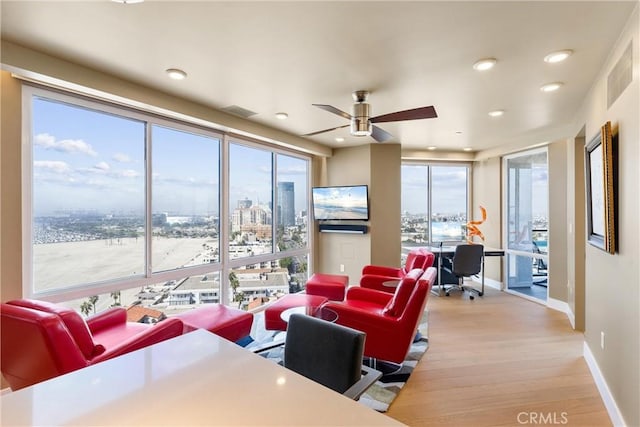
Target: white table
x=197, y=378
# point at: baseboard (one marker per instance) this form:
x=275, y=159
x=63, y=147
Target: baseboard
x=572, y=318
x=603, y=388
x=558, y=305
x=488, y=282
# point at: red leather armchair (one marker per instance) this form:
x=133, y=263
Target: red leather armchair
x=373, y=276
x=389, y=320
x=41, y=340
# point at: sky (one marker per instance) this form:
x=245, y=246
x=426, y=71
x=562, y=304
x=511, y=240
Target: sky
x=84, y=160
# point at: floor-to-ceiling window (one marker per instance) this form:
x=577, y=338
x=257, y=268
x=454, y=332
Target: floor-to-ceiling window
x=434, y=204
x=124, y=207
x=526, y=176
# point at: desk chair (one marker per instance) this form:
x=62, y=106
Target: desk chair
x=329, y=354
x=467, y=261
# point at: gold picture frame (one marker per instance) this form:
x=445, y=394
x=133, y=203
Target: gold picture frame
x=600, y=174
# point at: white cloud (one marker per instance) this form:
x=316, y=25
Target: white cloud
x=104, y=166
x=128, y=173
x=121, y=158
x=52, y=165
x=49, y=142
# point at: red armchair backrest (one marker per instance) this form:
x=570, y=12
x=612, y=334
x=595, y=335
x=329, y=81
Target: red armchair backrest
x=72, y=320
x=43, y=338
x=397, y=304
x=418, y=299
x=419, y=258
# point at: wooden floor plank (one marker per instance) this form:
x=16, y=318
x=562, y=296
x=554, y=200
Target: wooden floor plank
x=499, y=360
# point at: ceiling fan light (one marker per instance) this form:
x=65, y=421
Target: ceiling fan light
x=360, y=123
x=361, y=127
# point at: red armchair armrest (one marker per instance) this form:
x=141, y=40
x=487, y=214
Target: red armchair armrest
x=363, y=319
x=161, y=331
x=369, y=295
x=379, y=270
x=107, y=319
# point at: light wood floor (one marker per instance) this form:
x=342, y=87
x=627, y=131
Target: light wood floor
x=495, y=361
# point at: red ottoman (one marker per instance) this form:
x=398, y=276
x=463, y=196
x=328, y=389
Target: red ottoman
x=272, y=320
x=227, y=322
x=331, y=286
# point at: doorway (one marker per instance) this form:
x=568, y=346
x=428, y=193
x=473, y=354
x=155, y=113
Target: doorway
x=527, y=224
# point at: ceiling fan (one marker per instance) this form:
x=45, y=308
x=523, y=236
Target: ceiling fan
x=363, y=125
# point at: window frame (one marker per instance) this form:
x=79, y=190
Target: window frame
x=149, y=118
x=429, y=197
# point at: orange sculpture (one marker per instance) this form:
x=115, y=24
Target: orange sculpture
x=473, y=230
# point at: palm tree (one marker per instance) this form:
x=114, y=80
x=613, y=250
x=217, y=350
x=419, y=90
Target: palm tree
x=235, y=283
x=93, y=300
x=116, y=299
x=85, y=308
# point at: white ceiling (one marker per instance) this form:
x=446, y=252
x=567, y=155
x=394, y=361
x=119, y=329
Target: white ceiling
x=283, y=56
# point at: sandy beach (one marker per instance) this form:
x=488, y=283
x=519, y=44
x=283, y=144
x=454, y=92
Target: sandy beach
x=72, y=263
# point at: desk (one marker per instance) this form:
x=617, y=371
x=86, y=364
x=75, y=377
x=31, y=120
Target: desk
x=448, y=251
x=194, y=379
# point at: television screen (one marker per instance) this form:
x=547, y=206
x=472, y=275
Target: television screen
x=340, y=203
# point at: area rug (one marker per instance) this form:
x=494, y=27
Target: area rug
x=381, y=394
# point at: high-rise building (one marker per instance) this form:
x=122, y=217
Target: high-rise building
x=244, y=203
x=286, y=204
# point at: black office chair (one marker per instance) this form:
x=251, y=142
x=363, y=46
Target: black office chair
x=467, y=262
x=329, y=354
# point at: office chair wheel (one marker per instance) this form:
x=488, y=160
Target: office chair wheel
x=480, y=294
x=446, y=293
x=471, y=297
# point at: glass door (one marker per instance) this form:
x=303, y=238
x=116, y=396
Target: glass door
x=527, y=235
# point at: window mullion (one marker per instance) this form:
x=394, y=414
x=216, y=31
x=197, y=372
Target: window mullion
x=148, y=201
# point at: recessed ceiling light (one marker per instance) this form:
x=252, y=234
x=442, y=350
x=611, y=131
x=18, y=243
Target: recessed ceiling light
x=496, y=113
x=558, y=56
x=431, y=148
x=458, y=132
x=176, y=74
x=282, y=116
x=484, y=64
x=550, y=87
x=339, y=139
x=127, y=1
x=467, y=149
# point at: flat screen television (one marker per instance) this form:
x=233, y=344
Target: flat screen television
x=341, y=202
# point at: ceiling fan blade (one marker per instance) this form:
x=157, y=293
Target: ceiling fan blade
x=334, y=110
x=413, y=114
x=326, y=130
x=380, y=135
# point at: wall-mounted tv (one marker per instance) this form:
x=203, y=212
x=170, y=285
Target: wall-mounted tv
x=341, y=203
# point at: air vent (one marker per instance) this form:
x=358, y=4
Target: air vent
x=239, y=111
x=620, y=76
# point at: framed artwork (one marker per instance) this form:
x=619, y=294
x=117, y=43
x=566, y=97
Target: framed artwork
x=600, y=186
